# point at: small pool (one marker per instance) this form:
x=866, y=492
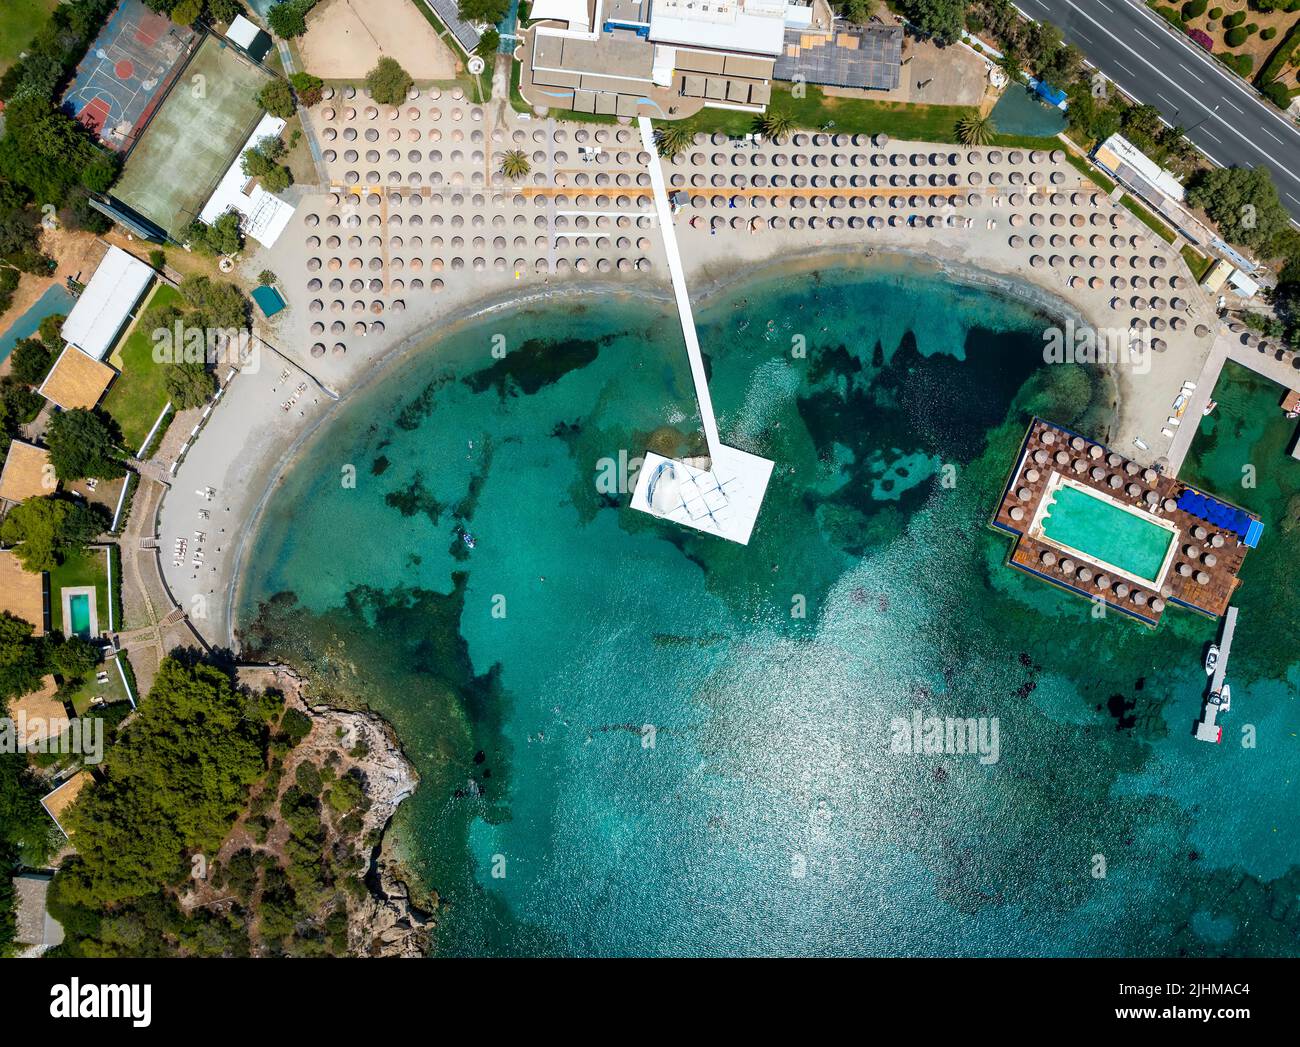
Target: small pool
x=1107, y=532
x=54, y=301
x=268, y=299
x=79, y=615
x=1021, y=112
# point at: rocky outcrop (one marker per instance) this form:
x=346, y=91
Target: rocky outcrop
x=385, y=922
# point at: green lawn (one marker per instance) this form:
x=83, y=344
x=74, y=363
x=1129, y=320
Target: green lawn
x=85, y=568
x=140, y=392
x=819, y=111
x=19, y=22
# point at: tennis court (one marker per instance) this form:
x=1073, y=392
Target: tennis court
x=126, y=73
x=193, y=138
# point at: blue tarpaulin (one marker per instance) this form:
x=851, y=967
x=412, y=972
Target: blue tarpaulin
x=1224, y=517
x=1052, y=95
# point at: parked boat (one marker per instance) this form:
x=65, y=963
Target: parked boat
x=1211, y=659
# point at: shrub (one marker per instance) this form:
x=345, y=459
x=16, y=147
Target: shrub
x=1268, y=32
x=1216, y=13
x=1234, y=19
x=187, y=11
x=308, y=88
x=1195, y=8
x=1201, y=37
x=157, y=258
x=1276, y=92
x=1171, y=16
x=388, y=82
x=1235, y=37
x=289, y=19
x=277, y=99
x=1239, y=64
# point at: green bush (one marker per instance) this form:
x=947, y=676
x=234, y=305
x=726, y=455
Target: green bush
x=1172, y=17
x=1234, y=19
x=1195, y=8
x=1276, y=92
x=1235, y=37
x=1268, y=32
x=277, y=99
x=1216, y=13
x=388, y=82
x=1242, y=65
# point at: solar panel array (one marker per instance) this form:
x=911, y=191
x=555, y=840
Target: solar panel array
x=876, y=61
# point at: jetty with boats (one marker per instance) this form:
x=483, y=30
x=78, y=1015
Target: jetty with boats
x=1219, y=697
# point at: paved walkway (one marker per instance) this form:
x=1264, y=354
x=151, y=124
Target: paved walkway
x=1227, y=346
x=665, y=214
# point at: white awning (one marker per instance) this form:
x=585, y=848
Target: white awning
x=572, y=12
x=106, y=303
x=264, y=215
x=242, y=32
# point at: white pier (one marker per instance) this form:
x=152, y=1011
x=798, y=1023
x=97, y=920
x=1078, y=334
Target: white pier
x=723, y=498
x=1206, y=728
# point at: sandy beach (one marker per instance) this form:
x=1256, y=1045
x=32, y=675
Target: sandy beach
x=403, y=246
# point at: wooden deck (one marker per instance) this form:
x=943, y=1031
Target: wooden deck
x=1202, y=574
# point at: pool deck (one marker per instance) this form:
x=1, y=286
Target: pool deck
x=1201, y=573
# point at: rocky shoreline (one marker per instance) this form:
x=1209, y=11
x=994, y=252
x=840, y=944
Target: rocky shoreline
x=391, y=919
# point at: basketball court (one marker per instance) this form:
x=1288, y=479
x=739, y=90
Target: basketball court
x=126, y=72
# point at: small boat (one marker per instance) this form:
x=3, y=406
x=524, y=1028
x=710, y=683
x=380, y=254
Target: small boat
x=468, y=539
x=1209, y=408
x=1225, y=698
x=1211, y=659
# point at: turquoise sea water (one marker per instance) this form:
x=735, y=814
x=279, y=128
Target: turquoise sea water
x=638, y=740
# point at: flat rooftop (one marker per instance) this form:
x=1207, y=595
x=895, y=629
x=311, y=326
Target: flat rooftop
x=614, y=54
x=870, y=58
x=24, y=473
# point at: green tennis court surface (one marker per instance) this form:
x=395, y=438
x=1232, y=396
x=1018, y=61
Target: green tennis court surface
x=1103, y=531
x=193, y=138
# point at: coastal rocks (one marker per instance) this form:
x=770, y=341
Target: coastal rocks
x=384, y=922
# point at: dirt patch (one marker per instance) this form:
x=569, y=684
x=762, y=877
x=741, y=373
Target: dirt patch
x=345, y=38
x=932, y=76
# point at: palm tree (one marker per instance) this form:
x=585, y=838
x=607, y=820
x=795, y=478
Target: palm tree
x=671, y=139
x=775, y=125
x=514, y=164
x=975, y=129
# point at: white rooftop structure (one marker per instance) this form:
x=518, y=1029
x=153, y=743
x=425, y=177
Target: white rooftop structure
x=106, y=303
x=752, y=26
x=264, y=214
x=1118, y=148
x=243, y=32
x=574, y=13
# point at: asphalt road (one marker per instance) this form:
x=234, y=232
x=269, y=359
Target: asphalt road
x=1130, y=44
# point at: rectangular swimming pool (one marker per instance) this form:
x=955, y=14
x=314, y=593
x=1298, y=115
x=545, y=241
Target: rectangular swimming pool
x=1107, y=532
x=79, y=611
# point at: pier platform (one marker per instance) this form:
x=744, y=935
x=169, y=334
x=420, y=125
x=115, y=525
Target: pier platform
x=723, y=496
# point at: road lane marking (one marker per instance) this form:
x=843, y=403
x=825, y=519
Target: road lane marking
x=1178, y=87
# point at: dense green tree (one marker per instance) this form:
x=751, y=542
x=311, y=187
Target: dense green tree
x=84, y=444
x=189, y=384
x=45, y=530
x=672, y=139
x=222, y=237
x=262, y=162
x=31, y=361
x=74, y=658
x=22, y=663
x=484, y=11
x=216, y=305
x=186, y=12
x=289, y=19
x=308, y=88
x=224, y=10
x=277, y=99
x=1244, y=203
x=174, y=783
x=488, y=43
x=941, y=20
x=388, y=82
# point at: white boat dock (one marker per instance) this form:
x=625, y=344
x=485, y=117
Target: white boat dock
x=724, y=498
x=1207, y=730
